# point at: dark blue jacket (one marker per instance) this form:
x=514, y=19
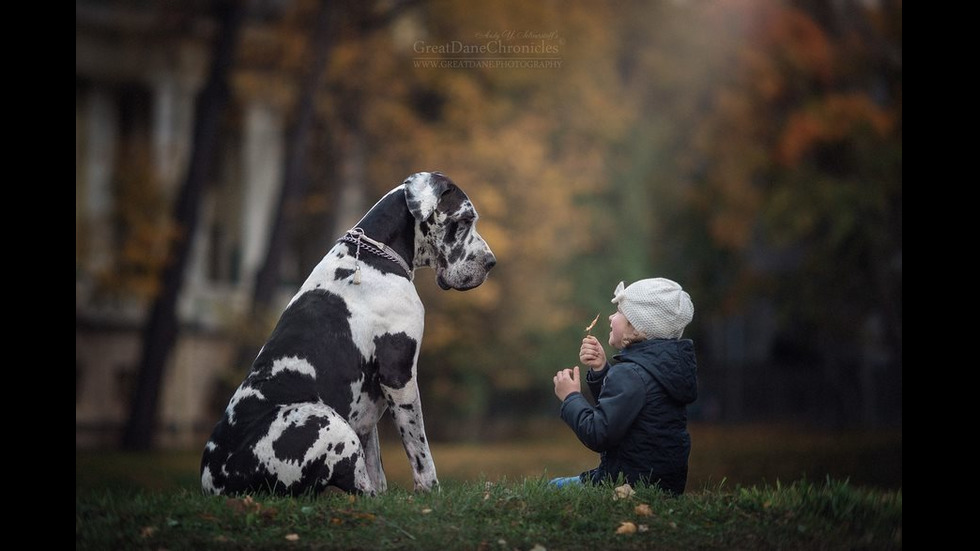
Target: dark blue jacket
x=639, y=422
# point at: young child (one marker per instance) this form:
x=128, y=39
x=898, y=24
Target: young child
x=639, y=421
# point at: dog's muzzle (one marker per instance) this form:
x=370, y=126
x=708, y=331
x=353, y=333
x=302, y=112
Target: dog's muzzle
x=466, y=275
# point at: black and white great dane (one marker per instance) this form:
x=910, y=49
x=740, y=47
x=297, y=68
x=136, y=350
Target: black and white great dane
x=345, y=350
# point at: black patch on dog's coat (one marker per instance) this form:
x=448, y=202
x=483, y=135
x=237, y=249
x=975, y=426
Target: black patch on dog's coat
x=342, y=475
x=316, y=328
x=395, y=354
x=450, y=236
x=296, y=440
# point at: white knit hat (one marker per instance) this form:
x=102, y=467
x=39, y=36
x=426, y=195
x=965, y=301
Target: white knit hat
x=658, y=307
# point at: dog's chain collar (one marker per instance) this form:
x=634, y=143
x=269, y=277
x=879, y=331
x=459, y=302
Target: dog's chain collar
x=357, y=237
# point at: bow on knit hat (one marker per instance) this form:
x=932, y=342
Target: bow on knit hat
x=657, y=307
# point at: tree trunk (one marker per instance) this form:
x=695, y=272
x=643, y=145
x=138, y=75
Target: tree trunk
x=160, y=331
x=294, y=177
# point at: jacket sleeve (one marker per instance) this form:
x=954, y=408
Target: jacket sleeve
x=603, y=426
x=594, y=380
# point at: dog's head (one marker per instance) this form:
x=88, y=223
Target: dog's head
x=446, y=236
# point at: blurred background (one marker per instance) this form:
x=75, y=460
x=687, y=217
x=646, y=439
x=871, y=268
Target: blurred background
x=749, y=149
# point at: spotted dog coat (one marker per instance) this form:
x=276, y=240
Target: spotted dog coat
x=344, y=351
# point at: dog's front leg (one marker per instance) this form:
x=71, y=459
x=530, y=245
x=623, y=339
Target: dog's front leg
x=406, y=408
x=372, y=460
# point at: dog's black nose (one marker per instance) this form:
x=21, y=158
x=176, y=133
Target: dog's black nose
x=491, y=261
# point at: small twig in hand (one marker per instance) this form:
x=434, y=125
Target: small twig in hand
x=588, y=330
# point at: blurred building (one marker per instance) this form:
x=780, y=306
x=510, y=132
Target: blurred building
x=137, y=73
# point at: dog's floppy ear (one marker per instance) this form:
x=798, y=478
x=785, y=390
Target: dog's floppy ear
x=423, y=190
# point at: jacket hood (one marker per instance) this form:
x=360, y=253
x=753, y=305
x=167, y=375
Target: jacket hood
x=671, y=362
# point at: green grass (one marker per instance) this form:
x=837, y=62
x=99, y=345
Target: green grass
x=749, y=488
x=503, y=515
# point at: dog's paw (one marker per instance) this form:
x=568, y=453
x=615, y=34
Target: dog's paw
x=427, y=486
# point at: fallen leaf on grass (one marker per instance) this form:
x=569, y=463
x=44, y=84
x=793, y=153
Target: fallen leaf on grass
x=626, y=527
x=539, y=547
x=292, y=537
x=147, y=531
x=347, y=516
x=426, y=511
x=642, y=528
x=643, y=510
x=623, y=492
x=250, y=507
x=246, y=505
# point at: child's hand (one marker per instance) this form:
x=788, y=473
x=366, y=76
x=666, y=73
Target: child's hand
x=567, y=382
x=592, y=353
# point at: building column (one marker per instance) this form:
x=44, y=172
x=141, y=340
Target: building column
x=96, y=185
x=164, y=132
x=262, y=172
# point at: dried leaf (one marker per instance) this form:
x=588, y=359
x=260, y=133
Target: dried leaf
x=588, y=329
x=292, y=537
x=246, y=505
x=426, y=511
x=623, y=492
x=642, y=528
x=235, y=504
x=626, y=527
x=147, y=531
x=643, y=510
x=539, y=547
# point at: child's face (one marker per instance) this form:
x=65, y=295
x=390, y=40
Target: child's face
x=619, y=327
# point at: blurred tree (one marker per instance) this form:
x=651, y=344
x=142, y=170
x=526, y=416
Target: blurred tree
x=297, y=148
x=160, y=331
x=306, y=59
